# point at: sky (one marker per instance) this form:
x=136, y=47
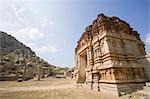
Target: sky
x=52, y=28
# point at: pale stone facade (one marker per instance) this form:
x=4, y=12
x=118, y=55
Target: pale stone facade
x=146, y=63
x=107, y=57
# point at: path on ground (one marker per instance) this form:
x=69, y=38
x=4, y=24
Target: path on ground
x=52, y=87
x=34, y=88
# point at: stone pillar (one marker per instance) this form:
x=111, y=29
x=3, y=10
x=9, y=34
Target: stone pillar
x=87, y=51
x=39, y=72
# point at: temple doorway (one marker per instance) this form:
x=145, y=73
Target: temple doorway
x=83, y=65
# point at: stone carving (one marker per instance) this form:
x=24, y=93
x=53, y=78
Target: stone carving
x=109, y=55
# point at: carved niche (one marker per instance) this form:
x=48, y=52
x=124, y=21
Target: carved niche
x=102, y=46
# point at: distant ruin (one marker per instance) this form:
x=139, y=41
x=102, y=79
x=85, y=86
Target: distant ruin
x=108, y=57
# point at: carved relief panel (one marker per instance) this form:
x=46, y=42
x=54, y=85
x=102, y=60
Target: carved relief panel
x=127, y=46
x=119, y=46
x=112, y=45
x=102, y=47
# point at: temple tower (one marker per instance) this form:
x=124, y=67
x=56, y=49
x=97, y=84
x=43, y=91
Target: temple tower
x=107, y=56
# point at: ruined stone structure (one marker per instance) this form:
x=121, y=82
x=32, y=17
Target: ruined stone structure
x=68, y=73
x=146, y=63
x=107, y=57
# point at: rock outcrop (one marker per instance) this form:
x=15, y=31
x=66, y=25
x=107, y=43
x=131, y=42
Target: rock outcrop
x=19, y=61
x=10, y=44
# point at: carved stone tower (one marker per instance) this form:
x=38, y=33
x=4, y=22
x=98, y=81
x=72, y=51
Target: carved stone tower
x=107, y=57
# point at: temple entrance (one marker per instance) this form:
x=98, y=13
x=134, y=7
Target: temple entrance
x=83, y=65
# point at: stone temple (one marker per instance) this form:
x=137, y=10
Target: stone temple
x=108, y=57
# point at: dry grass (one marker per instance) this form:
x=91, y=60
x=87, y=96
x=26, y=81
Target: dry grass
x=44, y=82
x=75, y=93
x=52, y=93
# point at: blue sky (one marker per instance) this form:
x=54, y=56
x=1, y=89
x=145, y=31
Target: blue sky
x=52, y=27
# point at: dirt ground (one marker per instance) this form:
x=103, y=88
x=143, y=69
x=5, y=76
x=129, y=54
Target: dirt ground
x=52, y=88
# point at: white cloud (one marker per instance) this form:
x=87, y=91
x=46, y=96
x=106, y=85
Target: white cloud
x=45, y=21
x=21, y=10
x=43, y=49
x=50, y=22
x=10, y=16
x=31, y=33
x=18, y=13
x=13, y=21
x=47, y=49
x=147, y=40
x=27, y=33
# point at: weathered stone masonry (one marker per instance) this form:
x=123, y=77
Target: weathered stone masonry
x=107, y=56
